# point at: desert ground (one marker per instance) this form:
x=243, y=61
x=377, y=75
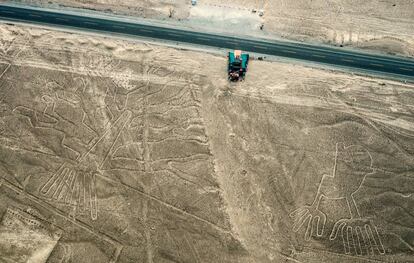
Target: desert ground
x=375, y=25
x=121, y=151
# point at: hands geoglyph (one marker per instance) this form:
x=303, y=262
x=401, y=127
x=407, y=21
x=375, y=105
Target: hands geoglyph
x=311, y=218
x=358, y=234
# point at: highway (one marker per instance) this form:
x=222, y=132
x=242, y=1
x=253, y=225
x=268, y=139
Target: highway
x=397, y=67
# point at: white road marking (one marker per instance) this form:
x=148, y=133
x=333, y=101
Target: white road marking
x=347, y=60
x=376, y=65
x=173, y=35
x=318, y=56
x=61, y=19
x=288, y=51
x=406, y=69
x=257, y=46
x=90, y=23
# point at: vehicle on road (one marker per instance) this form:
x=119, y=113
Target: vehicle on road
x=237, y=67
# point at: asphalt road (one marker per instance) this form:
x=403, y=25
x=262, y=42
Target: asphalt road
x=356, y=61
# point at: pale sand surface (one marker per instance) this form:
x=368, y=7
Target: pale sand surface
x=143, y=153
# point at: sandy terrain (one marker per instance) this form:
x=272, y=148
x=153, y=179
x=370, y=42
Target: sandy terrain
x=381, y=25
x=160, y=9
x=114, y=151
x=375, y=24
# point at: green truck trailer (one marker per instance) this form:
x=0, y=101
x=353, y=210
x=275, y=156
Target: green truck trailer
x=237, y=67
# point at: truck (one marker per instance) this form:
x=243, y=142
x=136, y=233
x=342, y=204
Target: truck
x=237, y=66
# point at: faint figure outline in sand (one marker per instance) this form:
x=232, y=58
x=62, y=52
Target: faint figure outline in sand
x=75, y=184
x=359, y=235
